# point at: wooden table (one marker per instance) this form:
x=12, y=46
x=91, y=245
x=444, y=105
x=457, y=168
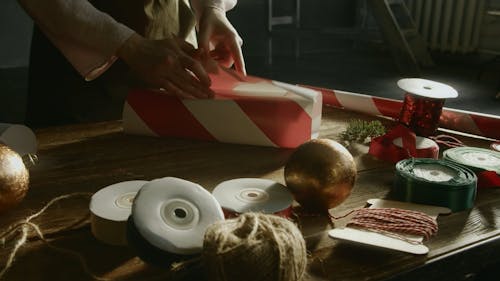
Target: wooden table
x=86, y=158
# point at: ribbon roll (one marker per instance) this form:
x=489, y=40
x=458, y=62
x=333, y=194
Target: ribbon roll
x=19, y=138
x=244, y=195
x=435, y=182
x=401, y=143
x=110, y=208
x=169, y=219
x=423, y=104
x=484, y=162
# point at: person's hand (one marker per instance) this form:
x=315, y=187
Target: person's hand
x=216, y=30
x=167, y=64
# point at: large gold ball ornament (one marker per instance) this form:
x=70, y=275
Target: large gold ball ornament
x=14, y=178
x=320, y=173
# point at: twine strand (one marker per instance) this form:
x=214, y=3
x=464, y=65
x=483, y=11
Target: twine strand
x=26, y=224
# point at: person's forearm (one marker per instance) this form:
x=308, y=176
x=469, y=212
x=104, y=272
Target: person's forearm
x=78, y=23
x=225, y=5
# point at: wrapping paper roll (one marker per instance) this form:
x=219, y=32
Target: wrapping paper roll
x=243, y=195
x=171, y=215
x=245, y=110
x=484, y=162
x=401, y=143
x=110, y=208
x=459, y=120
x=19, y=138
x=435, y=182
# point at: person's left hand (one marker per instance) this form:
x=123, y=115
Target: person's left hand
x=215, y=30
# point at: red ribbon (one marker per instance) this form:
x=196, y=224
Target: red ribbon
x=421, y=114
x=488, y=179
x=495, y=146
x=384, y=148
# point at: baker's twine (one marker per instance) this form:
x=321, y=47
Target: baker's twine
x=393, y=222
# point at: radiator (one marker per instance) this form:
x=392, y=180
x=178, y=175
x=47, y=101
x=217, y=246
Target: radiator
x=448, y=25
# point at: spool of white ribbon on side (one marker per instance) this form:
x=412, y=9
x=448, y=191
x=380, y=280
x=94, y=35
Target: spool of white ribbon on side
x=110, y=208
x=425, y=148
x=19, y=138
x=243, y=195
x=172, y=214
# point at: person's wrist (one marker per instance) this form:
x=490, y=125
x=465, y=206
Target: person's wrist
x=215, y=4
x=129, y=47
x=215, y=9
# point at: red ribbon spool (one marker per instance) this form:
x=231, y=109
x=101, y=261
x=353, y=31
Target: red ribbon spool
x=388, y=147
x=423, y=104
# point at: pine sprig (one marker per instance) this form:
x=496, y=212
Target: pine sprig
x=362, y=131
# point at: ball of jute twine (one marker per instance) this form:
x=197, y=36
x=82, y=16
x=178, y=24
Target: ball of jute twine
x=254, y=247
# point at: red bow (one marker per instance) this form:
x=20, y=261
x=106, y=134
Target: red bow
x=383, y=147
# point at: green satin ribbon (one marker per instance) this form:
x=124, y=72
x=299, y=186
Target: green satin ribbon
x=474, y=158
x=442, y=183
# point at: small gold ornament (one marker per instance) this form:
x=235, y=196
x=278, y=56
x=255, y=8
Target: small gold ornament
x=320, y=174
x=14, y=178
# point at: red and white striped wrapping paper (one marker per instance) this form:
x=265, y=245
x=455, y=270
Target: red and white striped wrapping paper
x=479, y=124
x=245, y=110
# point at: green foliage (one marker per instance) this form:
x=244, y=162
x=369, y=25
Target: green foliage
x=362, y=131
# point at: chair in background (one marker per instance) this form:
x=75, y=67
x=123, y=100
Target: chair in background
x=400, y=33
x=289, y=19
x=273, y=20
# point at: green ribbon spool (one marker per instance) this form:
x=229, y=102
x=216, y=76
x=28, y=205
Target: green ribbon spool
x=474, y=158
x=435, y=182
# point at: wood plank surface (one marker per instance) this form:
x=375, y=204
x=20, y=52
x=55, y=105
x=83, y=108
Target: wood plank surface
x=86, y=158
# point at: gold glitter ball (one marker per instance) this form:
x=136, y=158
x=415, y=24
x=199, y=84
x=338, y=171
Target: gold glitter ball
x=321, y=174
x=14, y=178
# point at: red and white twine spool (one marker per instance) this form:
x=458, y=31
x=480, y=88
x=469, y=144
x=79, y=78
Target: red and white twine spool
x=393, y=222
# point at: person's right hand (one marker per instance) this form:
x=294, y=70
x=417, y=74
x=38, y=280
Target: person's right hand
x=167, y=64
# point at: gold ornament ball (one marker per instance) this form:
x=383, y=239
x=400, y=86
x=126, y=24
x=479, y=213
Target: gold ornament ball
x=321, y=174
x=14, y=178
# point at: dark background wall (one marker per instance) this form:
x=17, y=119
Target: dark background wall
x=15, y=37
x=15, y=34
x=249, y=18
x=16, y=29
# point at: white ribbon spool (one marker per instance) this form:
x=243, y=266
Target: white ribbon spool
x=253, y=195
x=19, y=138
x=427, y=88
x=172, y=214
x=110, y=208
x=420, y=143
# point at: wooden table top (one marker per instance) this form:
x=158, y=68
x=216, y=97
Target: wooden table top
x=86, y=158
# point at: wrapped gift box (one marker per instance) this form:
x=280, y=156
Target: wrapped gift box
x=245, y=110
